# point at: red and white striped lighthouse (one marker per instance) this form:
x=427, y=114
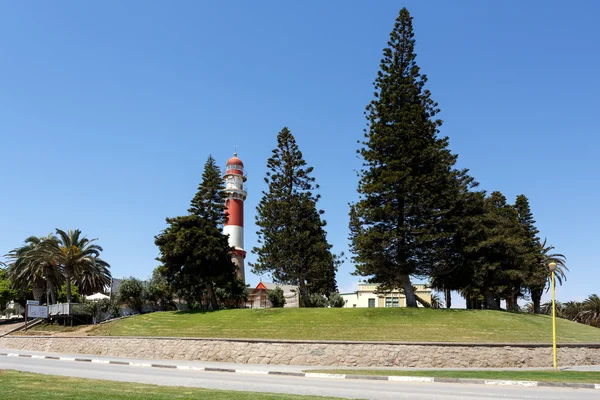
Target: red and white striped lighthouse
x=234, y=227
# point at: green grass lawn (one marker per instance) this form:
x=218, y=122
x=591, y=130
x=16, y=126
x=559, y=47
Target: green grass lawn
x=25, y=386
x=545, y=376
x=397, y=324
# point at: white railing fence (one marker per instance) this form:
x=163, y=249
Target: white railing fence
x=65, y=309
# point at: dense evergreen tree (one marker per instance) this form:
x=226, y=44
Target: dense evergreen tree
x=195, y=254
x=293, y=246
x=532, y=259
x=465, y=223
x=496, y=252
x=407, y=183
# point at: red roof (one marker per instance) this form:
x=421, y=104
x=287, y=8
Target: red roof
x=235, y=161
x=261, y=286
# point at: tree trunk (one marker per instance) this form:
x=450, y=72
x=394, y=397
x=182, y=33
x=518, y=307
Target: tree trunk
x=212, y=298
x=303, y=293
x=38, y=290
x=423, y=302
x=536, y=297
x=448, y=297
x=490, y=301
x=68, y=287
x=509, y=303
x=498, y=302
x=411, y=300
x=52, y=292
x=515, y=302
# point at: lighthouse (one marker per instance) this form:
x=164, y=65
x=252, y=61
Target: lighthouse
x=234, y=226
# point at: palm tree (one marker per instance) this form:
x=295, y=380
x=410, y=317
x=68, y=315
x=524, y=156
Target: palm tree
x=77, y=256
x=590, y=313
x=545, y=258
x=528, y=307
x=559, y=259
x=94, y=279
x=546, y=308
x=35, y=268
x=571, y=310
x=436, y=301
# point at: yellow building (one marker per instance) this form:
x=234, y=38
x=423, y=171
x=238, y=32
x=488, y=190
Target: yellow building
x=366, y=296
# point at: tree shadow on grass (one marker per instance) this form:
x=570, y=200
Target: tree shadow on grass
x=195, y=311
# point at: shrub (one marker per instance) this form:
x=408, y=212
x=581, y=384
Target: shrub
x=276, y=297
x=316, y=300
x=336, y=301
x=102, y=309
x=159, y=292
x=133, y=293
x=233, y=294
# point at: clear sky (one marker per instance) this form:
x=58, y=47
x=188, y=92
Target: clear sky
x=108, y=110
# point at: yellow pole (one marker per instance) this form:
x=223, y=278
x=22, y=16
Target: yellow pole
x=553, y=324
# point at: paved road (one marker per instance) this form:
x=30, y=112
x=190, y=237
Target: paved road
x=280, y=384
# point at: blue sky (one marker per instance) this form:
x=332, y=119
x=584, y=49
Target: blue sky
x=108, y=110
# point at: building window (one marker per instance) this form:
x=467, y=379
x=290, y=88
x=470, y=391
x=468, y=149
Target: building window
x=371, y=303
x=392, y=302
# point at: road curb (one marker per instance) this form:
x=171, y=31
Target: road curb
x=318, y=375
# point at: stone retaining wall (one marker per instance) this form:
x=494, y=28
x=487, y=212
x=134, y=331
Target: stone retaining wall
x=327, y=353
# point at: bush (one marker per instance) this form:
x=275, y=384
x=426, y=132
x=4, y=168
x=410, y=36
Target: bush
x=159, y=292
x=316, y=300
x=102, y=309
x=336, y=301
x=133, y=293
x=276, y=297
x=233, y=294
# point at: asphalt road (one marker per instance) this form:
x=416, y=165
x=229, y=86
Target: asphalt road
x=282, y=384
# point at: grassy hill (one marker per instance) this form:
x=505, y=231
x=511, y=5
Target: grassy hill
x=397, y=324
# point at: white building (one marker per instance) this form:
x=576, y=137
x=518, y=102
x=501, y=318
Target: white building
x=366, y=296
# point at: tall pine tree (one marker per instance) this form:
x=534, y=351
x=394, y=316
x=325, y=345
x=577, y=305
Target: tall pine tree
x=537, y=271
x=293, y=245
x=194, y=252
x=463, y=221
x=494, y=250
x=407, y=181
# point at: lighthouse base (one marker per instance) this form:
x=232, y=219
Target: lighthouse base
x=238, y=260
